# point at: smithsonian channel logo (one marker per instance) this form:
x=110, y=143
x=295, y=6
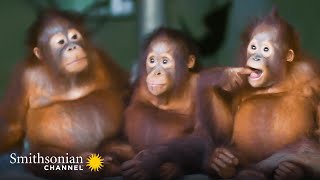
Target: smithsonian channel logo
x=94, y=162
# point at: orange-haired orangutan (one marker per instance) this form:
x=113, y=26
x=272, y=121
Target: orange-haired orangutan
x=277, y=113
x=66, y=97
x=162, y=107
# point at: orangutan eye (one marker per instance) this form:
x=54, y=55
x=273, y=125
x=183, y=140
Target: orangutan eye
x=165, y=61
x=74, y=37
x=266, y=49
x=152, y=60
x=253, y=47
x=61, y=41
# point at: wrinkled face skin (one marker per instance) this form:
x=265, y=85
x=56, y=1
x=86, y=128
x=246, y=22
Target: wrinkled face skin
x=160, y=66
x=263, y=57
x=62, y=46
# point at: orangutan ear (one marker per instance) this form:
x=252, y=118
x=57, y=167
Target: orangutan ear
x=37, y=53
x=290, y=55
x=191, y=61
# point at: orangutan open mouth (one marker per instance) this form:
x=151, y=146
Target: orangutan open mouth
x=256, y=73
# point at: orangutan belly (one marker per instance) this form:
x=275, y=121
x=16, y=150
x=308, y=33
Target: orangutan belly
x=265, y=124
x=73, y=125
x=144, y=133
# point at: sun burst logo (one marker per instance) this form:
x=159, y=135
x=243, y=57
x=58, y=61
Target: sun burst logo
x=95, y=162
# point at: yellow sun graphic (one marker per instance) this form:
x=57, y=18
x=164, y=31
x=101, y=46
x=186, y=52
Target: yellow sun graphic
x=94, y=162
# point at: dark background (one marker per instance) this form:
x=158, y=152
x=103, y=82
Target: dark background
x=120, y=36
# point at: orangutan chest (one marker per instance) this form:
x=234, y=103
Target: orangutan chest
x=266, y=123
x=155, y=130
x=78, y=124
